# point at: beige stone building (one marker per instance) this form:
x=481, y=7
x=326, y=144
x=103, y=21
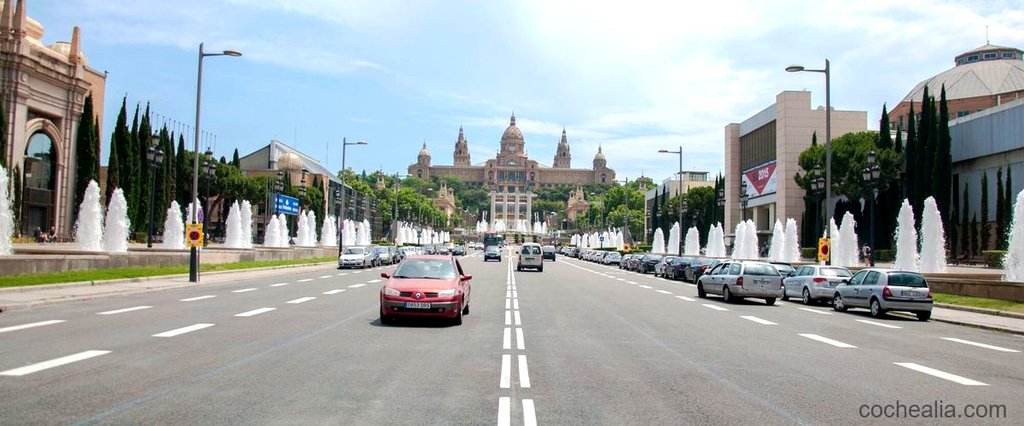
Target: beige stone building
x=511, y=176
x=764, y=151
x=44, y=89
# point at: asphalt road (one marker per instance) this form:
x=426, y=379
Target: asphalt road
x=578, y=343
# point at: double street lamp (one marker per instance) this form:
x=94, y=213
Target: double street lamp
x=155, y=155
x=744, y=198
x=209, y=170
x=828, y=136
x=871, y=174
x=193, y=261
x=341, y=219
x=679, y=190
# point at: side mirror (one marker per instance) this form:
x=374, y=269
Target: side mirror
x=467, y=277
x=385, y=275
x=846, y=281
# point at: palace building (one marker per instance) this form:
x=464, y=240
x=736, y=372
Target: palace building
x=511, y=176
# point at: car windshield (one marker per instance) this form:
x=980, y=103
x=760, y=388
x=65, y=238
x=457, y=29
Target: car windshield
x=354, y=250
x=425, y=268
x=531, y=250
x=548, y=249
x=492, y=249
x=381, y=250
x=834, y=272
x=907, y=279
x=760, y=269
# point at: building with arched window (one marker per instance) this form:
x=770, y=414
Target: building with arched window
x=43, y=88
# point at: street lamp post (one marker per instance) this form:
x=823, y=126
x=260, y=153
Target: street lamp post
x=744, y=197
x=679, y=191
x=208, y=171
x=817, y=189
x=156, y=157
x=721, y=204
x=341, y=220
x=871, y=174
x=193, y=260
x=828, y=137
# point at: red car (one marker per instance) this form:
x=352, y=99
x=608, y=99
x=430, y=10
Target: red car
x=426, y=286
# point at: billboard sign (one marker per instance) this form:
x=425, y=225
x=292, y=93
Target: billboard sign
x=761, y=180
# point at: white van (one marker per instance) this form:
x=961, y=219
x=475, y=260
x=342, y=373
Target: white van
x=530, y=256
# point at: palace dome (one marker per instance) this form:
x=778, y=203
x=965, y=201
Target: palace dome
x=289, y=161
x=986, y=71
x=512, y=133
x=63, y=48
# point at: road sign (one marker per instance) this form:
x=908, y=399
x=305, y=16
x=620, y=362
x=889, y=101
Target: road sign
x=286, y=204
x=823, y=249
x=193, y=235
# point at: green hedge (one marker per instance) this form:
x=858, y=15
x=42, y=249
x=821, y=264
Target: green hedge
x=884, y=255
x=994, y=258
x=809, y=253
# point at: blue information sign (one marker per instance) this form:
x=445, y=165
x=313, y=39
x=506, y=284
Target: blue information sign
x=287, y=205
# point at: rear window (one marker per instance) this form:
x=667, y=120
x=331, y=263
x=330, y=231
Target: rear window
x=907, y=280
x=652, y=257
x=835, y=272
x=763, y=270
x=531, y=250
x=548, y=249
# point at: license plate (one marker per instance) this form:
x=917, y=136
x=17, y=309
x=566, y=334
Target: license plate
x=911, y=293
x=833, y=283
x=417, y=305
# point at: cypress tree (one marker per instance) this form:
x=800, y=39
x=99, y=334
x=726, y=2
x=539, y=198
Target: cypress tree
x=3, y=131
x=145, y=187
x=16, y=178
x=235, y=161
x=884, y=133
x=136, y=170
x=113, y=174
x=910, y=159
x=118, y=151
x=87, y=164
x=926, y=152
x=975, y=237
x=942, y=175
x=183, y=188
x=965, y=228
x=984, y=233
x=1000, y=220
x=654, y=217
x=954, y=218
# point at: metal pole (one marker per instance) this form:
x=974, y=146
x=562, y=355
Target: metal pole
x=193, y=258
x=152, y=208
x=342, y=220
x=679, y=193
x=828, y=158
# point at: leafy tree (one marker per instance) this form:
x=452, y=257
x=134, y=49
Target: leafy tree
x=87, y=162
x=984, y=233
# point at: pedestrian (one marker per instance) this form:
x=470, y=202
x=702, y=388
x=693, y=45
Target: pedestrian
x=865, y=253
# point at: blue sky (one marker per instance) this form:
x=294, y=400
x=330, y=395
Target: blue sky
x=632, y=77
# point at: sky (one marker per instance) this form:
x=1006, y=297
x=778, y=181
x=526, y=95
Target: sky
x=631, y=77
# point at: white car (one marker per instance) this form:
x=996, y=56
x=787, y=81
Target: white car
x=530, y=256
x=355, y=257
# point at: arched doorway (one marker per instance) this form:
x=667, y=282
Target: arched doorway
x=40, y=169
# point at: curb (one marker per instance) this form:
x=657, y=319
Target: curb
x=980, y=326
x=981, y=310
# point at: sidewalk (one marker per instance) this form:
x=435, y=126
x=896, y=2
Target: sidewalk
x=26, y=297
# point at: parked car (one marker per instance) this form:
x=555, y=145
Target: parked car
x=634, y=262
x=884, y=290
x=677, y=267
x=735, y=279
x=624, y=261
x=458, y=251
x=814, y=282
x=698, y=267
x=384, y=255
x=548, y=252
x=426, y=286
x=529, y=256
x=659, y=268
x=612, y=258
x=784, y=268
x=492, y=252
x=356, y=257
x=647, y=263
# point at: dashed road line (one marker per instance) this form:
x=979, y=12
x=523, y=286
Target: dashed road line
x=244, y=290
x=193, y=299
x=255, y=312
x=30, y=325
x=508, y=317
x=817, y=311
x=646, y=286
x=29, y=369
x=279, y=284
x=508, y=303
x=356, y=285
x=826, y=340
x=663, y=291
x=529, y=413
x=506, y=339
x=335, y=291
x=757, y=320
x=879, y=324
x=300, y=300
x=183, y=330
x=519, y=320
x=685, y=298
x=508, y=293
x=504, y=411
x=341, y=274
x=373, y=281
x=505, y=381
x=515, y=303
x=980, y=345
x=524, y=373
x=940, y=374
x=715, y=307
x=121, y=311
x=304, y=280
x=632, y=282
x=520, y=344
x=324, y=277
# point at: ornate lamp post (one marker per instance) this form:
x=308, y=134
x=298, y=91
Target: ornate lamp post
x=209, y=170
x=679, y=189
x=156, y=157
x=871, y=174
x=721, y=202
x=744, y=197
x=817, y=189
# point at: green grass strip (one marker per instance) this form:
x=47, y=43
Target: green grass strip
x=979, y=302
x=142, y=271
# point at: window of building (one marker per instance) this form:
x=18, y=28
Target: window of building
x=990, y=55
x=972, y=58
x=40, y=159
x=1008, y=55
x=962, y=114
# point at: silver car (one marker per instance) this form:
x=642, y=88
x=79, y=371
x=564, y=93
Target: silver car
x=814, y=282
x=883, y=290
x=735, y=279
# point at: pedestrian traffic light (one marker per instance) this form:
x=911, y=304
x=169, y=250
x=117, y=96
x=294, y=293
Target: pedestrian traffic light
x=823, y=249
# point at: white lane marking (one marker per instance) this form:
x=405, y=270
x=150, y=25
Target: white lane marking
x=324, y=277
x=29, y=369
x=504, y=411
x=515, y=303
x=506, y=371
x=300, y=300
x=879, y=324
x=341, y=274
x=835, y=343
x=254, y=312
x=621, y=279
x=193, y=299
x=508, y=293
x=980, y=345
x=183, y=330
x=940, y=374
x=118, y=311
x=515, y=293
x=663, y=291
x=519, y=320
x=632, y=282
x=357, y=272
x=524, y=372
x=335, y=291
x=529, y=413
x=685, y=298
x=244, y=290
x=817, y=311
x=356, y=285
x=757, y=320
x=508, y=303
x=373, y=281
x=520, y=344
x=30, y=325
x=508, y=317
x=506, y=339
x=304, y=280
x=646, y=286
x=715, y=307
x=279, y=284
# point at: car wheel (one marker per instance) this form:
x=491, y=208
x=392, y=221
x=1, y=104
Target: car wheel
x=700, y=291
x=837, y=303
x=924, y=315
x=519, y=268
x=769, y=301
x=458, y=318
x=541, y=269
x=806, y=297
x=384, y=319
x=876, y=309
x=785, y=296
x=465, y=310
x=726, y=295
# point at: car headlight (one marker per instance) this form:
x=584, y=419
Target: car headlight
x=388, y=291
x=447, y=293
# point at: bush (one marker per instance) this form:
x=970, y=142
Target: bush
x=994, y=258
x=809, y=253
x=884, y=255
